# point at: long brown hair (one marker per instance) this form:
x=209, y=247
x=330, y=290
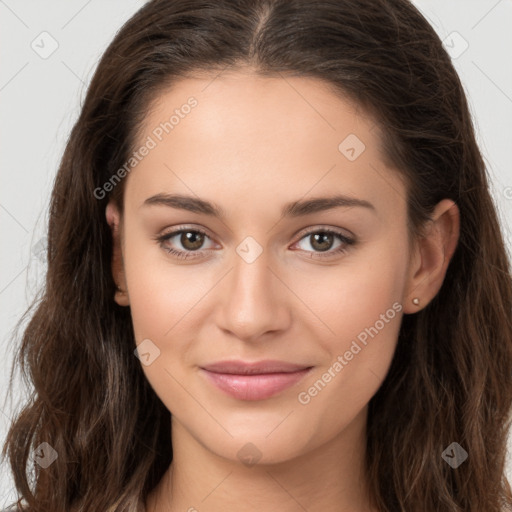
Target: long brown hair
x=450, y=379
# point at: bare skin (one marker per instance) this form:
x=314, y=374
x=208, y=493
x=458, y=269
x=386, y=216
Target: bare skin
x=252, y=145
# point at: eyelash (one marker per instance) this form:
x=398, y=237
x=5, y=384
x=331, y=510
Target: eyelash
x=197, y=254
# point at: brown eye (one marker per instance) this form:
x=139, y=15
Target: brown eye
x=191, y=240
x=185, y=243
x=322, y=241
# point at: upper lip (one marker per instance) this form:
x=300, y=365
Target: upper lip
x=256, y=367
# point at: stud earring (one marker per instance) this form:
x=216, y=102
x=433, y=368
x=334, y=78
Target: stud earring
x=416, y=301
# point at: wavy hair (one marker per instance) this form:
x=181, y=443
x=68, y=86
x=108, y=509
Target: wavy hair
x=450, y=379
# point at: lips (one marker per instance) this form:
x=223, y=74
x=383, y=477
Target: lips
x=254, y=380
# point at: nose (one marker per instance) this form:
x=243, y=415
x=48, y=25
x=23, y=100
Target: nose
x=253, y=300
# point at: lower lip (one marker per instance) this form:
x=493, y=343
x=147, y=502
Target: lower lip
x=254, y=387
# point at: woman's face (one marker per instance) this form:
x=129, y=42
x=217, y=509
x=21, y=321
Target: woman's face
x=263, y=167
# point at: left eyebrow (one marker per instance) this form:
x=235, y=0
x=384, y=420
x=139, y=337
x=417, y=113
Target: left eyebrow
x=306, y=207
x=294, y=209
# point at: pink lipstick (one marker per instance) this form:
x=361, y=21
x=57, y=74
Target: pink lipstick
x=254, y=380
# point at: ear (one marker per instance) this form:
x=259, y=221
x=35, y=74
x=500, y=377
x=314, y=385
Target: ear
x=113, y=219
x=431, y=256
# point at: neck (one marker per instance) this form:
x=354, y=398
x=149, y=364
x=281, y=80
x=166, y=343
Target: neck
x=328, y=478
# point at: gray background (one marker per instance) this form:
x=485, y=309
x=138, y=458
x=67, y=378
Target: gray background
x=41, y=95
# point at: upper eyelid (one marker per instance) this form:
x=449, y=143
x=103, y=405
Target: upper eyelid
x=179, y=229
x=336, y=230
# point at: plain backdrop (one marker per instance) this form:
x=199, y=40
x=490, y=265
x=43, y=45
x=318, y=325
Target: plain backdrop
x=49, y=50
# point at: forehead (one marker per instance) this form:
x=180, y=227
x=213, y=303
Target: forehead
x=281, y=137
x=297, y=108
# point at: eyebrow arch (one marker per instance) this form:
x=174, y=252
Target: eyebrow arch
x=294, y=209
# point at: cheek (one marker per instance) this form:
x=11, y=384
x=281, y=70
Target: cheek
x=363, y=310
x=165, y=300
x=161, y=293
x=355, y=295
x=339, y=392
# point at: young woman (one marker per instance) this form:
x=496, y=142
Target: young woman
x=276, y=279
